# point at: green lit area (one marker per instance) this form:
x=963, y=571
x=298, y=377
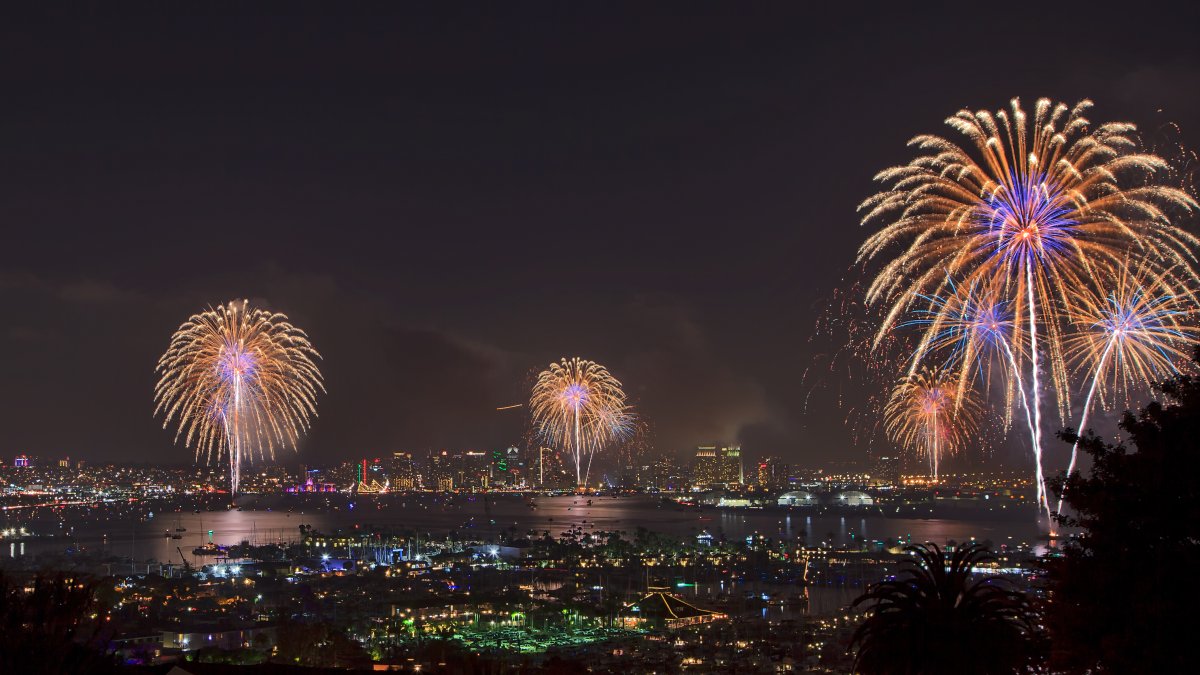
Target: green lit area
x=536, y=640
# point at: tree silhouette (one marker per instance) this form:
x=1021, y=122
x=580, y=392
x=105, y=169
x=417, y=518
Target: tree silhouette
x=317, y=644
x=933, y=618
x=51, y=624
x=1120, y=595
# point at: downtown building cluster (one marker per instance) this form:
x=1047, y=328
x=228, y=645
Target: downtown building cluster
x=719, y=474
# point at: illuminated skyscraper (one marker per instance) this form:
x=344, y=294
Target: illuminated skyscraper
x=771, y=472
x=717, y=467
x=885, y=469
x=403, y=472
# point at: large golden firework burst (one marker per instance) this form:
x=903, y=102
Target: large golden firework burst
x=577, y=406
x=238, y=381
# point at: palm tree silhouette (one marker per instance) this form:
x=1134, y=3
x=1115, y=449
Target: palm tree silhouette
x=932, y=618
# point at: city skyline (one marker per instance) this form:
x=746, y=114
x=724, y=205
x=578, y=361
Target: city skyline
x=417, y=232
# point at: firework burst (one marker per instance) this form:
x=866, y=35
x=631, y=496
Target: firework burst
x=577, y=406
x=1031, y=210
x=1131, y=335
x=238, y=382
x=969, y=331
x=927, y=415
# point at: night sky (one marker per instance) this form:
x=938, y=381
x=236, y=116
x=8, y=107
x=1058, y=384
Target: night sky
x=448, y=201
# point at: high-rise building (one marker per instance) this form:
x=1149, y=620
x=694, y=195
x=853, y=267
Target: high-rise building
x=472, y=470
x=717, y=467
x=771, y=472
x=513, y=472
x=664, y=474
x=627, y=476
x=885, y=469
x=439, y=468
x=21, y=460
x=549, y=470
x=403, y=474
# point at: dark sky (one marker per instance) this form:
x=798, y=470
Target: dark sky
x=446, y=200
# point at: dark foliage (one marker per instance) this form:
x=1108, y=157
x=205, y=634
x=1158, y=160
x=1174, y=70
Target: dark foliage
x=318, y=644
x=51, y=625
x=934, y=618
x=1121, y=599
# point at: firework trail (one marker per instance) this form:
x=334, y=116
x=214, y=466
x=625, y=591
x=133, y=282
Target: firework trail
x=925, y=414
x=578, y=406
x=1134, y=335
x=238, y=381
x=1036, y=209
